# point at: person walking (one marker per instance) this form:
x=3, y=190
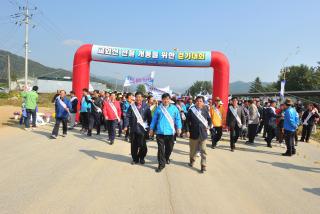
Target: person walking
x=253, y=121
x=95, y=113
x=139, y=116
x=152, y=103
x=261, y=122
x=198, y=123
x=62, y=110
x=270, y=117
x=308, y=120
x=244, y=129
x=125, y=105
x=73, y=110
x=217, y=116
x=290, y=124
x=189, y=103
x=265, y=121
x=280, y=118
x=85, y=109
x=112, y=114
x=30, y=99
x=235, y=120
x=182, y=109
x=166, y=122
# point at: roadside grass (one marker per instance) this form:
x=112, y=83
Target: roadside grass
x=14, y=99
x=316, y=136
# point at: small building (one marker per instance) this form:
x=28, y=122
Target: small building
x=51, y=85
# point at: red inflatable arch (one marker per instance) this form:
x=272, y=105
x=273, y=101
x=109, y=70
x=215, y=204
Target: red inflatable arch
x=88, y=52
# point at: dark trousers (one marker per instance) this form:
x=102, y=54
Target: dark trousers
x=22, y=120
x=165, y=147
x=94, y=122
x=280, y=134
x=252, y=132
x=234, y=135
x=138, y=147
x=104, y=122
x=244, y=131
x=31, y=113
x=111, y=126
x=271, y=133
x=125, y=123
x=306, y=132
x=265, y=130
x=260, y=127
x=289, y=138
x=216, y=133
x=56, y=127
x=84, y=117
x=120, y=126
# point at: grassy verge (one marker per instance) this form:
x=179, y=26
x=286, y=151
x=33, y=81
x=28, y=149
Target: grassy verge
x=14, y=99
x=316, y=136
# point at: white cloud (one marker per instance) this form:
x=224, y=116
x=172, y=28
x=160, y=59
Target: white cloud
x=72, y=42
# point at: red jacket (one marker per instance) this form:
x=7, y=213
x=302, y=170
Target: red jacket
x=108, y=111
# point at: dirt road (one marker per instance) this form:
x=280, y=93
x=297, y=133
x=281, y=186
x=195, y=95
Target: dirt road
x=77, y=174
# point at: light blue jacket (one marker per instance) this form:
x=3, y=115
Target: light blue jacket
x=291, y=120
x=160, y=122
x=85, y=105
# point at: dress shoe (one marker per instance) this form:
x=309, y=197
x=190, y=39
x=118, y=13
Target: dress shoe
x=286, y=154
x=134, y=162
x=142, y=161
x=168, y=161
x=159, y=169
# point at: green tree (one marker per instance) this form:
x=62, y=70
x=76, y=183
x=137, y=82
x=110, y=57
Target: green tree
x=300, y=78
x=256, y=86
x=200, y=87
x=141, y=88
x=272, y=87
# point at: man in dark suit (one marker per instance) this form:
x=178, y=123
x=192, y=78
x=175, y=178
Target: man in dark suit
x=198, y=123
x=139, y=116
x=235, y=120
x=270, y=118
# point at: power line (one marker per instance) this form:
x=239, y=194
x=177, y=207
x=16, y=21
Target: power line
x=24, y=16
x=14, y=3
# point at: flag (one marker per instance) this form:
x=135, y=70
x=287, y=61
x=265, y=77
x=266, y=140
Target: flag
x=130, y=80
x=283, y=83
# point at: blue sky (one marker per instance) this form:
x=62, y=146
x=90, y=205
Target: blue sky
x=257, y=36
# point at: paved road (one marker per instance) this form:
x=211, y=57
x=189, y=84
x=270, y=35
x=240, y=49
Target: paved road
x=86, y=175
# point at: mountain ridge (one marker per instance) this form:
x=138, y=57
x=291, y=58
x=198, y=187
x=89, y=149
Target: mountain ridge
x=39, y=70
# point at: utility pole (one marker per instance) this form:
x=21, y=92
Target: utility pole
x=9, y=73
x=26, y=43
x=24, y=16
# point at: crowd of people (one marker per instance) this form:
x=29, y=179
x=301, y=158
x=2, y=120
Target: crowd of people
x=137, y=118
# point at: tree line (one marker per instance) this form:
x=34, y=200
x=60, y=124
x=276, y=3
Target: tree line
x=298, y=78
